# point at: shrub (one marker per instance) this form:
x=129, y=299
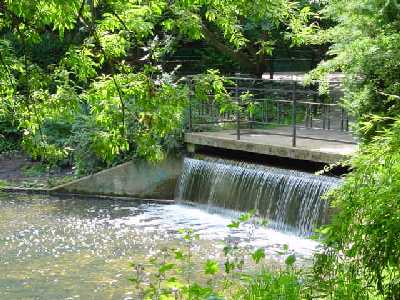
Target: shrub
x=362, y=244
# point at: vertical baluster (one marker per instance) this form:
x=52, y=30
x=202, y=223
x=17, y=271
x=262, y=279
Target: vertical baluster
x=294, y=115
x=237, y=99
x=342, y=119
x=329, y=117
x=306, y=116
x=191, y=92
x=278, y=111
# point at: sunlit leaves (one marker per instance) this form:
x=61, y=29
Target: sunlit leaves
x=258, y=255
x=364, y=40
x=360, y=242
x=82, y=62
x=129, y=18
x=290, y=260
x=104, y=81
x=114, y=45
x=60, y=14
x=211, y=267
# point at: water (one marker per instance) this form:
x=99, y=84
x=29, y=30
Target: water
x=54, y=248
x=292, y=200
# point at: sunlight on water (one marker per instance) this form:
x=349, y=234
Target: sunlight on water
x=66, y=249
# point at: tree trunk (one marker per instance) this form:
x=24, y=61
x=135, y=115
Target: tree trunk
x=248, y=64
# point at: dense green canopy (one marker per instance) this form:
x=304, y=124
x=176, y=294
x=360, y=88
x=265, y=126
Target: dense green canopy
x=82, y=78
x=364, y=38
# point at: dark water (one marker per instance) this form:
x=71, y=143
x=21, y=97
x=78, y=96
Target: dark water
x=80, y=249
x=291, y=200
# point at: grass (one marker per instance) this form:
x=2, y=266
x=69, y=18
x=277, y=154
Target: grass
x=3, y=183
x=272, y=285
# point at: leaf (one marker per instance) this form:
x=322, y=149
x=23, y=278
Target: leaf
x=290, y=260
x=165, y=268
x=258, y=255
x=211, y=267
x=179, y=255
x=234, y=224
x=229, y=267
x=227, y=250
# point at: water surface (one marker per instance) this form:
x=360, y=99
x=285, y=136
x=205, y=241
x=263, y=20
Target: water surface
x=53, y=248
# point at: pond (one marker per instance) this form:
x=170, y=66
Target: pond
x=53, y=248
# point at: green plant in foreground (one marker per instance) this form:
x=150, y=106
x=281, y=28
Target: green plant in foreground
x=173, y=273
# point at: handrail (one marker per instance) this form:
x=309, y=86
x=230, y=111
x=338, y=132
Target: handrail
x=318, y=114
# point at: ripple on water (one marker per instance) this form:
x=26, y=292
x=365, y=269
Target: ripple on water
x=58, y=248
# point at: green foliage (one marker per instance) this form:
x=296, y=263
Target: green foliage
x=80, y=81
x=258, y=255
x=361, y=246
x=362, y=242
x=173, y=273
x=3, y=183
x=364, y=46
x=272, y=285
x=211, y=267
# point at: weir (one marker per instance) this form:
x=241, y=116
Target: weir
x=290, y=200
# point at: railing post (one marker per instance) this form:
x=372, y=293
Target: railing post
x=329, y=117
x=191, y=94
x=342, y=119
x=237, y=99
x=294, y=114
x=271, y=70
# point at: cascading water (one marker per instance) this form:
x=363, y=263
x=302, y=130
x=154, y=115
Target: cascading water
x=291, y=200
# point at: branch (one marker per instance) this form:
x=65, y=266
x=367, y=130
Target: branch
x=214, y=40
x=78, y=18
x=389, y=95
x=121, y=21
x=119, y=91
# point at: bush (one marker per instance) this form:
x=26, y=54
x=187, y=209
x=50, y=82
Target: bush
x=362, y=244
x=9, y=134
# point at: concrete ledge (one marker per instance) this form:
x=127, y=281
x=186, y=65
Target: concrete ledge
x=25, y=190
x=317, y=151
x=103, y=197
x=52, y=192
x=139, y=180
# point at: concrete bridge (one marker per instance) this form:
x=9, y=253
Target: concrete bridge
x=289, y=120
x=309, y=146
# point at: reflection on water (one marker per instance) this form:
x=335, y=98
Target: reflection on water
x=67, y=249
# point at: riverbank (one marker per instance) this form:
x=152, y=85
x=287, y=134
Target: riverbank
x=18, y=171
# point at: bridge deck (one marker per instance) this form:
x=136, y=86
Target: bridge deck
x=335, y=147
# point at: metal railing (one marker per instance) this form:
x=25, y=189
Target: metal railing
x=279, y=107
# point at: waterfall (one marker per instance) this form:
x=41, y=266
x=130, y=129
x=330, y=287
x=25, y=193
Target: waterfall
x=290, y=200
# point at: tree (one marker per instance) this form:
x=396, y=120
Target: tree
x=364, y=39
x=82, y=79
x=360, y=257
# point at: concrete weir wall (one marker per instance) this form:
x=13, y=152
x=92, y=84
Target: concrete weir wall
x=138, y=179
